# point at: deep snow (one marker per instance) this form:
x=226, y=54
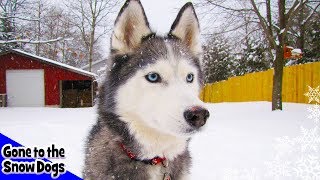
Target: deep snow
x=238, y=141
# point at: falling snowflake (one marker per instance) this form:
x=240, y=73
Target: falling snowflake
x=278, y=168
x=314, y=113
x=308, y=167
x=309, y=139
x=313, y=94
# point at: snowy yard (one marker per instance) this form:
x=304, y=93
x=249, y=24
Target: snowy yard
x=241, y=140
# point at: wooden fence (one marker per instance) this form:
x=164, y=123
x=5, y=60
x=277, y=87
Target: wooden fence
x=258, y=86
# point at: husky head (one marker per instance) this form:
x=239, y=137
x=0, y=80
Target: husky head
x=154, y=82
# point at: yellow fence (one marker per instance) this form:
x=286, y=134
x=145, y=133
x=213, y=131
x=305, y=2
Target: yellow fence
x=258, y=86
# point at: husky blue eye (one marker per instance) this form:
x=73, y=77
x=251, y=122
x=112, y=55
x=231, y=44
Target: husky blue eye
x=153, y=77
x=189, y=78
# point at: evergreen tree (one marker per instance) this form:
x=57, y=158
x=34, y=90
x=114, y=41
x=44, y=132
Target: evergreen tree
x=217, y=60
x=254, y=58
x=313, y=33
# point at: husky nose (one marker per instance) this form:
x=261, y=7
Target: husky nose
x=196, y=116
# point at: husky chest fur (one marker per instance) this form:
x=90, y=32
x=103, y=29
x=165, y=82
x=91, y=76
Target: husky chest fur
x=148, y=105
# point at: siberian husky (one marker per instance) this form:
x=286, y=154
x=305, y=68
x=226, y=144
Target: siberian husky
x=148, y=105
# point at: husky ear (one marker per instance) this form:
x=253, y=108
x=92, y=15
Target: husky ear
x=130, y=27
x=186, y=28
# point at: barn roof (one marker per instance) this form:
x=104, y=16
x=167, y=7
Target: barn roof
x=52, y=62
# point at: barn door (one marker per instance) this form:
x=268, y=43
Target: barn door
x=76, y=94
x=25, y=88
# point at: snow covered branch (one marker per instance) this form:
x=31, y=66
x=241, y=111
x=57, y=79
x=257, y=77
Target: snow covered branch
x=31, y=41
x=314, y=11
x=18, y=17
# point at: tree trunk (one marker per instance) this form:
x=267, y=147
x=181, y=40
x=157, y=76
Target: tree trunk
x=302, y=29
x=279, y=60
x=269, y=21
x=277, y=80
x=92, y=39
x=301, y=38
x=38, y=29
x=91, y=47
x=90, y=57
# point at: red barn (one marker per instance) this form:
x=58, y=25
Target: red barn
x=28, y=80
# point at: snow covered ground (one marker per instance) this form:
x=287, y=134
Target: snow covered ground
x=241, y=140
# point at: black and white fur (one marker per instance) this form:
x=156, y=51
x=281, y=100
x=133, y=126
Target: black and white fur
x=148, y=118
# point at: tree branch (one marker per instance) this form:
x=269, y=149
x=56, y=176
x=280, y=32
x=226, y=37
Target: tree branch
x=264, y=24
x=18, y=17
x=292, y=11
x=314, y=11
x=31, y=42
x=226, y=8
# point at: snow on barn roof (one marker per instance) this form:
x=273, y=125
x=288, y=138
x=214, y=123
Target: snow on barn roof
x=52, y=62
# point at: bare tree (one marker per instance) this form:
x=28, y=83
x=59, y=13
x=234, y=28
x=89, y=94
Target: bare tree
x=91, y=18
x=286, y=13
x=38, y=29
x=56, y=23
x=302, y=23
x=17, y=18
x=274, y=19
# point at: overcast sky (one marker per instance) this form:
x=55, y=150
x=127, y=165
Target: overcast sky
x=161, y=14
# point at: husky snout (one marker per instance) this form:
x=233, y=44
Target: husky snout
x=196, y=116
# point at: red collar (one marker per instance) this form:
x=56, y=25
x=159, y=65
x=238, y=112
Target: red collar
x=153, y=161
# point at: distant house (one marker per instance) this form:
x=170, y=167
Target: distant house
x=29, y=80
x=96, y=66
